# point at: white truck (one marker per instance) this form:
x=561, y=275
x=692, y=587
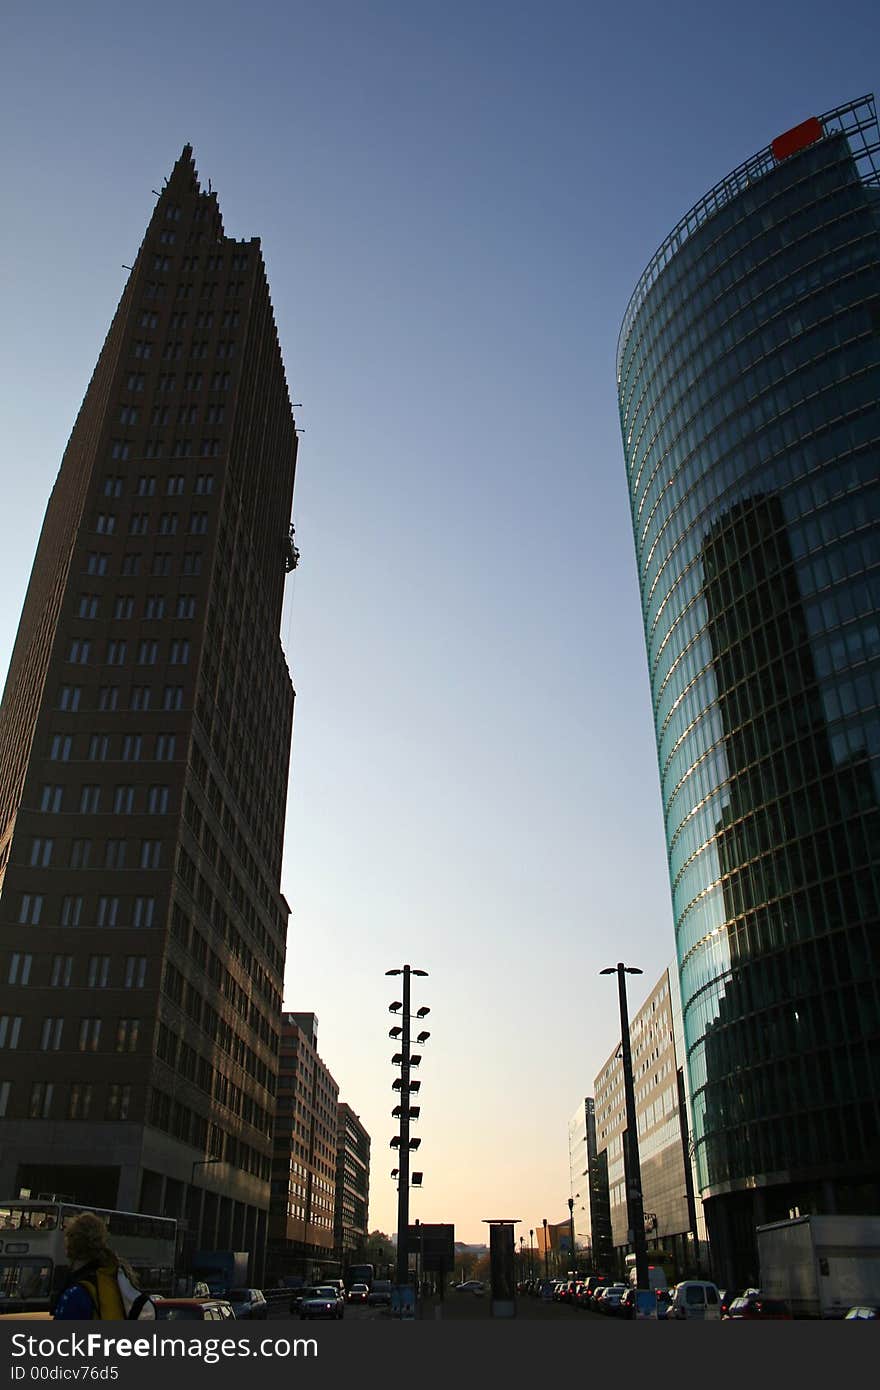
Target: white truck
x=821, y=1265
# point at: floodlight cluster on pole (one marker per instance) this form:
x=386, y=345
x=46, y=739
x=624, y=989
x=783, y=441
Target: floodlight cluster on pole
x=404, y=1111
x=632, y=1165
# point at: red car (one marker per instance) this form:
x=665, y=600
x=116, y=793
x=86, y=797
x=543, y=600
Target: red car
x=755, y=1307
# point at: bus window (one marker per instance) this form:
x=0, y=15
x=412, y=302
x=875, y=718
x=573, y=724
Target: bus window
x=25, y=1278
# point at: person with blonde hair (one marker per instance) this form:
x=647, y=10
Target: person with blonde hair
x=92, y=1290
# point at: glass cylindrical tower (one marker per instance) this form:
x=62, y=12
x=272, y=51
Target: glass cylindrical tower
x=749, y=389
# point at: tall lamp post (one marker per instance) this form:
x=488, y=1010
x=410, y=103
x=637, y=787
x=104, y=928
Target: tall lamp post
x=546, y=1251
x=531, y=1254
x=571, y=1224
x=405, y=1060
x=634, y=1207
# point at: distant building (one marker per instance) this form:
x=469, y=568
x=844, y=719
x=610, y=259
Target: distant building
x=352, y=1183
x=302, y=1211
x=579, y=1176
x=671, y=1221
x=144, y=747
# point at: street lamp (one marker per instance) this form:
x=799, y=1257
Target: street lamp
x=632, y=1167
x=571, y=1224
x=531, y=1254
x=546, y=1251
x=402, y=1142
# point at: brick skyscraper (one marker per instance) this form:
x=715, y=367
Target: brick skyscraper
x=144, y=749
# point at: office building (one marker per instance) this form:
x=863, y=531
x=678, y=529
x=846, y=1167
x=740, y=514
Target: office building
x=749, y=386
x=352, y=1203
x=672, y=1223
x=144, y=747
x=302, y=1217
x=579, y=1177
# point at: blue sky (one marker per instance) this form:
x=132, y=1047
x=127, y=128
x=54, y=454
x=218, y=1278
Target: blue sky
x=455, y=202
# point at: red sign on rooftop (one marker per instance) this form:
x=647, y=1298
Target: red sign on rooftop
x=798, y=138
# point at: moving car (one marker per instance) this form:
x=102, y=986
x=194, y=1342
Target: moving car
x=193, y=1309
x=249, y=1303
x=380, y=1294
x=358, y=1293
x=324, y=1301
x=475, y=1286
x=863, y=1313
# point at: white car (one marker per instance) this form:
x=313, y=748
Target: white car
x=475, y=1286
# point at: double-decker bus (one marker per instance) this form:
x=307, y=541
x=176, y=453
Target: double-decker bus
x=33, y=1264
x=360, y=1274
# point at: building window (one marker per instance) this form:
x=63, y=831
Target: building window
x=168, y=523
x=116, y=653
x=186, y=606
x=124, y=606
x=154, y=448
x=139, y=523
x=41, y=852
x=147, y=653
x=140, y=697
x=128, y=415
x=10, y=1031
x=71, y=911
x=187, y=415
x=41, y=1100
x=50, y=1034
x=167, y=381
x=89, y=1034
x=172, y=697
x=161, y=415
x=210, y=448
x=175, y=485
x=19, y=968
x=108, y=697
x=99, y=972
x=135, y=972
x=180, y=653
x=5, y=1092
x=105, y=524
x=108, y=912
x=118, y=1097
x=157, y=801
x=198, y=523
x=90, y=799
x=151, y=853
x=136, y=381
x=127, y=1030
x=51, y=798
x=144, y=912
x=131, y=748
x=80, y=853
x=80, y=1101
x=31, y=905
x=161, y=564
x=192, y=562
x=80, y=651
x=131, y=565
x=114, y=858
x=88, y=606
x=172, y=351
x=96, y=563
x=166, y=747
x=99, y=747
x=62, y=972
x=60, y=748
x=155, y=606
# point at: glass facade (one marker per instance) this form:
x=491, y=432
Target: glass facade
x=749, y=390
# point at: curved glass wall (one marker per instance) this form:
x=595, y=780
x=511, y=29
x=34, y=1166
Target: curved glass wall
x=749, y=388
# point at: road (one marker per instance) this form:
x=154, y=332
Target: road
x=466, y=1307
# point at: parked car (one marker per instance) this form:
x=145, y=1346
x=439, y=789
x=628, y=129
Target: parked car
x=756, y=1306
x=592, y=1285
x=545, y=1289
x=474, y=1286
x=610, y=1300
x=249, y=1303
x=193, y=1309
x=323, y=1301
x=380, y=1294
x=696, y=1299
x=358, y=1293
x=863, y=1313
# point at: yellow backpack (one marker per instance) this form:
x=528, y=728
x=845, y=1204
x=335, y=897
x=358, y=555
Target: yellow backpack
x=102, y=1286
